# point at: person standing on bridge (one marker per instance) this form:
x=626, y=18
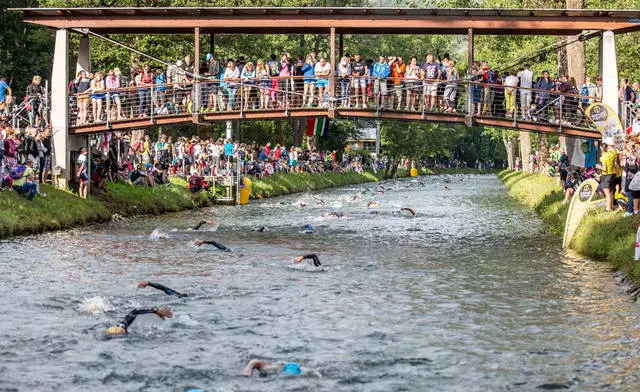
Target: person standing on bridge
x=545, y=84
x=526, y=82
x=431, y=73
x=213, y=70
x=380, y=73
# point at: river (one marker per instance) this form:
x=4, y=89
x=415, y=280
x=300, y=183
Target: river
x=470, y=295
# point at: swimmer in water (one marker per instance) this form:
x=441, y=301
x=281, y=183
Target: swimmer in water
x=312, y=256
x=199, y=225
x=160, y=287
x=122, y=327
x=301, y=204
x=409, y=210
x=333, y=213
x=264, y=368
x=308, y=229
x=214, y=243
x=372, y=204
x=261, y=229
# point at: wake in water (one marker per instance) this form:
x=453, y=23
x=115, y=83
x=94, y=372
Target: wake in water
x=96, y=305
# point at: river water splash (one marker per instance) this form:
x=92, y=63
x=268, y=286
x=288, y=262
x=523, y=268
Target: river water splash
x=469, y=295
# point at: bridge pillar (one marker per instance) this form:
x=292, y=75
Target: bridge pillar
x=229, y=132
x=608, y=68
x=196, y=69
x=84, y=56
x=468, y=120
x=60, y=108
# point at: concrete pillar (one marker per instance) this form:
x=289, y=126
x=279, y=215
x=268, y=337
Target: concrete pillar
x=608, y=67
x=229, y=130
x=196, y=70
x=84, y=56
x=60, y=108
x=470, y=53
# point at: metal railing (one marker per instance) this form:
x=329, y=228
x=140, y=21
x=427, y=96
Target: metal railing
x=210, y=96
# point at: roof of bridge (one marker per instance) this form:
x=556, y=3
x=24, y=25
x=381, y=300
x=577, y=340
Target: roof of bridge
x=353, y=20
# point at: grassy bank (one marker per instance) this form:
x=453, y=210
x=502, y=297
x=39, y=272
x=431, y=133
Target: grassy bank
x=601, y=236
x=63, y=210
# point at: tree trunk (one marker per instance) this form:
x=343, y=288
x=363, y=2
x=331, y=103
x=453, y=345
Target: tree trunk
x=576, y=65
x=543, y=151
x=525, y=151
x=510, y=146
x=298, y=131
x=394, y=169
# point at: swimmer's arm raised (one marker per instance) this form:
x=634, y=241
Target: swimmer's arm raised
x=163, y=313
x=160, y=287
x=258, y=365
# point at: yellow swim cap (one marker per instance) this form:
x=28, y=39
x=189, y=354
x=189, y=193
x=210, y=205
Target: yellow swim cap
x=116, y=331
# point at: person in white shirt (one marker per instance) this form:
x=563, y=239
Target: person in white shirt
x=323, y=71
x=510, y=83
x=526, y=82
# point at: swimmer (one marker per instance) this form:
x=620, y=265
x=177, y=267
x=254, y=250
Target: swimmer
x=313, y=256
x=373, y=212
x=122, y=327
x=261, y=229
x=373, y=204
x=160, y=287
x=333, y=213
x=214, y=243
x=409, y=210
x=301, y=204
x=202, y=223
x=264, y=368
x=308, y=229
x=446, y=187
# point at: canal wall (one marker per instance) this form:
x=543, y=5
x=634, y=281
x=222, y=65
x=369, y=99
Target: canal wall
x=63, y=210
x=602, y=236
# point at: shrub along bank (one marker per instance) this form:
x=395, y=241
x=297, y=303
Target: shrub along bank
x=62, y=209
x=602, y=236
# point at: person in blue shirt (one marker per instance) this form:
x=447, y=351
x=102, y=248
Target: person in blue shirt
x=542, y=98
x=380, y=73
x=4, y=87
x=309, y=72
x=160, y=98
x=228, y=150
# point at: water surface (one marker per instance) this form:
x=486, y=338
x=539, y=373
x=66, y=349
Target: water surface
x=470, y=295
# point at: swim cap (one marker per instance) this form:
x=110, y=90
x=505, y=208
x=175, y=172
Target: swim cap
x=292, y=368
x=308, y=227
x=116, y=331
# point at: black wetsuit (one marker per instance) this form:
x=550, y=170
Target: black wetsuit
x=314, y=257
x=261, y=229
x=217, y=245
x=167, y=290
x=130, y=318
x=199, y=225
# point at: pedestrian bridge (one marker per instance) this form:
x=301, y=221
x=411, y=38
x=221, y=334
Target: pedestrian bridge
x=558, y=113
x=333, y=22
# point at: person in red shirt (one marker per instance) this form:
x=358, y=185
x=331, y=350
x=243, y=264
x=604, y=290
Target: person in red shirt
x=267, y=149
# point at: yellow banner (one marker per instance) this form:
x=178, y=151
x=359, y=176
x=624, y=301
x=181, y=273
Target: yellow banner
x=580, y=203
x=607, y=122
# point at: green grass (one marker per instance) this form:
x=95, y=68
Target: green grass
x=62, y=209
x=602, y=236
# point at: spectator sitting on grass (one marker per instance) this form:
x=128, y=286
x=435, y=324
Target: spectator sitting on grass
x=24, y=180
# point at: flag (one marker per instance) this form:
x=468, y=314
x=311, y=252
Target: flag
x=580, y=203
x=317, y=126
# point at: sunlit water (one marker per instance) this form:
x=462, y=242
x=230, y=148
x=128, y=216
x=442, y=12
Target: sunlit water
x=470, y=295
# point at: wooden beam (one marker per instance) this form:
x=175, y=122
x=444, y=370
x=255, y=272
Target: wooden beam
x=332, y=43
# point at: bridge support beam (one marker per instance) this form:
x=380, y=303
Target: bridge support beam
x=469, y=118
x=332, y=85
x=608, y=68
x=197, y=96
x=84, y=56
x=59, y=109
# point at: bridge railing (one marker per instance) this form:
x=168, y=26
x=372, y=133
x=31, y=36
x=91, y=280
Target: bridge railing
x=283, y=94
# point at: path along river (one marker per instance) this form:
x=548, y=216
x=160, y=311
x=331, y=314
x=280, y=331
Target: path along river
x=470, y=295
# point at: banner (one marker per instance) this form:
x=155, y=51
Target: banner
x=317, y=126
x=607, y=122
x=580, y=203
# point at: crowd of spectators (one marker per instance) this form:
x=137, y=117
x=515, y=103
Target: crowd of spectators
x=429, y=85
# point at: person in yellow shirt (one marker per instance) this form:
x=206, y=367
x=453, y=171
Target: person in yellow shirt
x=609, y=167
